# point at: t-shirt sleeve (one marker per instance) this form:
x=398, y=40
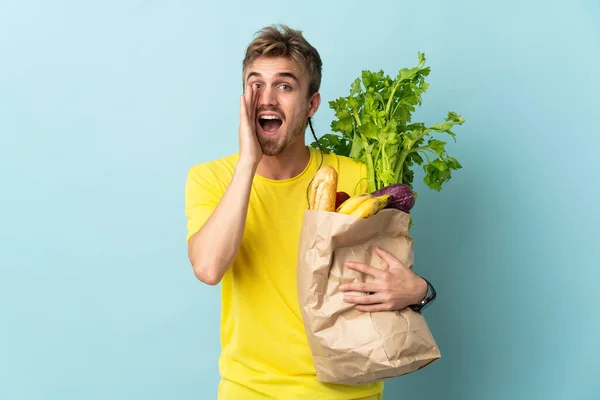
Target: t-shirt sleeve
x=360, y=184
x=352, y=175
x=363, y=183
x=202, y=194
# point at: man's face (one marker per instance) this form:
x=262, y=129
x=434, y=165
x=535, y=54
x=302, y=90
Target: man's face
x=284, y=105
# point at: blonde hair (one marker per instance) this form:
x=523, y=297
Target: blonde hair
x=283, y=41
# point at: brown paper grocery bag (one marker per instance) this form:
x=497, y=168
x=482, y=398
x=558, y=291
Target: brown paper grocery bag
x=349, y=346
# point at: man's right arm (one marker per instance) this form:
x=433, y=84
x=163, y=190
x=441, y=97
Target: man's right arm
x=213, y=248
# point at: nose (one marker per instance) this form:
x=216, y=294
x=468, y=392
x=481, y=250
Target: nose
x=267, y=96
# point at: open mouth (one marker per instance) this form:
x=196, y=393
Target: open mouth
x=270, y=123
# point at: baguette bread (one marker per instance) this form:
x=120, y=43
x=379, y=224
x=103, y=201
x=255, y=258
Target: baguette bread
x=323, y=189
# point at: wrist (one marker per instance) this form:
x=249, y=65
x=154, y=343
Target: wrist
x=245, y=166
x=425, y=300
x=421, y=290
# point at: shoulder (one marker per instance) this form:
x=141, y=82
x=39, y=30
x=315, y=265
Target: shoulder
x=352, y=174
x=346, y=166
x=215, y=174
x=220, y=168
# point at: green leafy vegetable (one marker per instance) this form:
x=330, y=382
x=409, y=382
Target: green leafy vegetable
x=374, y=126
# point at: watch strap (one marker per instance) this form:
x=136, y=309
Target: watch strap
x=431, y=294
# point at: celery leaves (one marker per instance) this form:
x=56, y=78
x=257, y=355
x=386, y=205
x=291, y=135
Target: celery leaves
x=373, y=124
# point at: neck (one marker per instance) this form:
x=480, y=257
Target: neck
x=287, y=164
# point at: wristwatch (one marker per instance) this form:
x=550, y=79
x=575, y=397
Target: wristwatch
x=427, y=300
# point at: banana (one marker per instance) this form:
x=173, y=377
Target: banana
x=383, y=200
x=364, y=205
x=349, y=205
x=367, y=208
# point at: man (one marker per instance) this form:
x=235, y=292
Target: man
x=244, y=217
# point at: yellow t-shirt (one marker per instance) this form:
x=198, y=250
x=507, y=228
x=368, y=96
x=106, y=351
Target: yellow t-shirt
x=264, y=350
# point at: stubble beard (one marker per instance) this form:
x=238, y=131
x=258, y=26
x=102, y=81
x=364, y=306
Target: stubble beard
x=272, y=146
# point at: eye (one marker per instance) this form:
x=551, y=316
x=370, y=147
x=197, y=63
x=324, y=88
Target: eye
x=286, y=87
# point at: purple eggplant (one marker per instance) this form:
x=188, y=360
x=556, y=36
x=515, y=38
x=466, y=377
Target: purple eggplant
x=403, y=198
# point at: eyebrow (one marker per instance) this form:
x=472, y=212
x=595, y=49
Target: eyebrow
x=280, y=74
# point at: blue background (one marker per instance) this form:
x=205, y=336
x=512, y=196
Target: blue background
x=105, y=105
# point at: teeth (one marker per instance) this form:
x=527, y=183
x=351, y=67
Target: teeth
x=269, y=117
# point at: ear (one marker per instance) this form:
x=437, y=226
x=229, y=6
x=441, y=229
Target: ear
x=313, y=104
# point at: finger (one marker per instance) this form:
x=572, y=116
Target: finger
x=256, y=93
x=363, y=299
x=360, y=287
x=249, y=102
x=374, y=307
x=248, y=105
x=389, y=259
x=366, y=269
x=243, y=111
x=255, y=99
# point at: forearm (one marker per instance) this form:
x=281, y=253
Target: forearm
x=213, y=248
